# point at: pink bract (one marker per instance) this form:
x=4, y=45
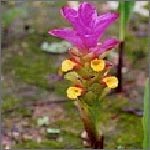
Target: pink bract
x=87, y=29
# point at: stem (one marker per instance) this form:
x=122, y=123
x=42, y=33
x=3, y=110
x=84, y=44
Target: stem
x=95, y=140
x=122, y=21
x=120, y=64
x=121, y=45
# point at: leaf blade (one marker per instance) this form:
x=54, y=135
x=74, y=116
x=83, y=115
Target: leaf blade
x=146, y=119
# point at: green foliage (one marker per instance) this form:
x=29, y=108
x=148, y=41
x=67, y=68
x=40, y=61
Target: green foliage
x=89, y=98
x=71, y=140
x=129, y=132
x=33, y=67
x=125, y=9
x=85, y=71
x=9, y=103
x=45, y=144
x=114, y=104
x=104, y=93
x=134, y=51
x=9, y=16
x=32, y=73
x=23, y=111
x=96, y=88
x=60, y=3
x=146, y=119
x=61, y=87
x=138, y=54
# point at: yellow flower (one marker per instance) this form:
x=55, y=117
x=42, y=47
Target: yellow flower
x=97, y=65
x=67, y=65
x=111, y=82
x=74, y=92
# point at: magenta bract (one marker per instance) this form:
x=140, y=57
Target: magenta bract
x=88, y=27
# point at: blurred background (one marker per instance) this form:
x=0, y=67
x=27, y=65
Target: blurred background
x=35, y=110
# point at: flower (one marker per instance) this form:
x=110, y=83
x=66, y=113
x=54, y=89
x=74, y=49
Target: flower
x=73, y=92
x=67, y=65
x=97, y=65
x=88, y=27
x=111, y=81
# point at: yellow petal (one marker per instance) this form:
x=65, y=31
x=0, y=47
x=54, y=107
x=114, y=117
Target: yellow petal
x=67, y=65
x=97, y=65
x=74, y=92
x=111, y=82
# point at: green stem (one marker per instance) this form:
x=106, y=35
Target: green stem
x=122, y=21
x=122, y=30
x=94, y=139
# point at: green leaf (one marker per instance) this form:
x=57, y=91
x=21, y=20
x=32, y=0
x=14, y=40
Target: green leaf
x=71, y=76
x=125, y=9
x=146, y=119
